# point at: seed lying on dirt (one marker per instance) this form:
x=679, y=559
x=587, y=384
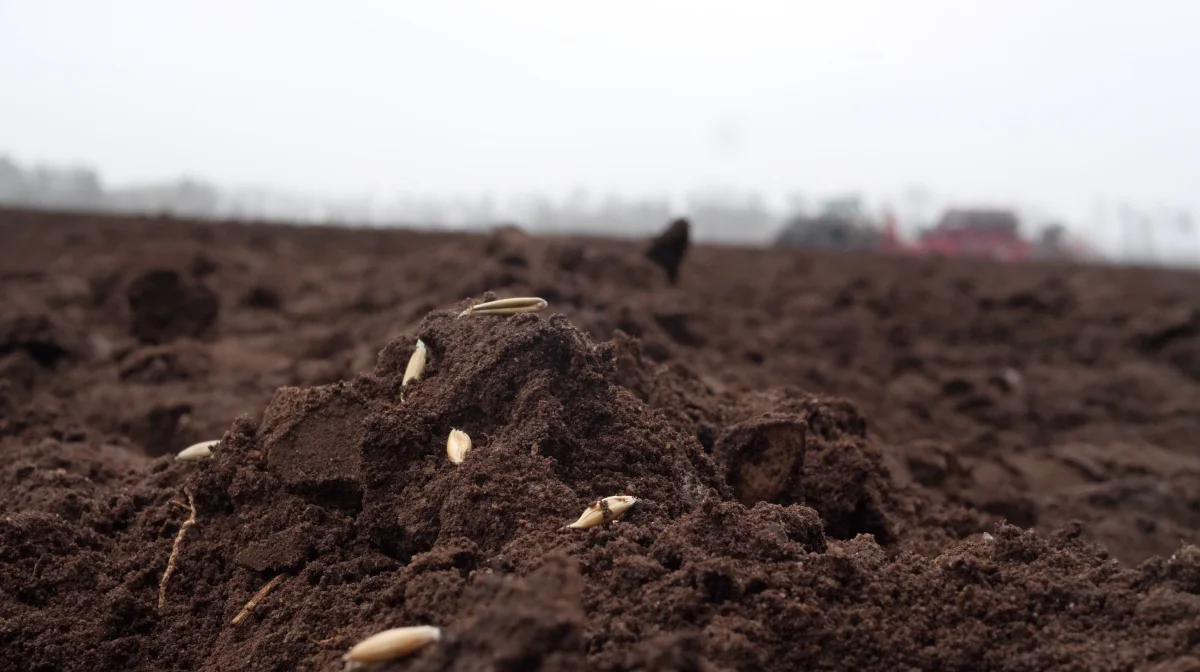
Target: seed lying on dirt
x=416, y=364
x=458, y=444
x=262, y=592
x=603, y=511
x=198, y=451
x=392, y=644
x=162, y=585
x=506, y=306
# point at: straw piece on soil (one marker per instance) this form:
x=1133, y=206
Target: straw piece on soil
x=162, y=585
x=525, y=304
x=258, y=597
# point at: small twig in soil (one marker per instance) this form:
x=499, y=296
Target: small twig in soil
x=262, y=592
x=162, y=585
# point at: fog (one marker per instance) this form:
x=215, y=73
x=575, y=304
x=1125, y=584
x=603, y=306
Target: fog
x=456, y=112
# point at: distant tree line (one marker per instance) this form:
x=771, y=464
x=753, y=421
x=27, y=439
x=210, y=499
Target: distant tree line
x=78, y=188
x=718, y=216
x=1121, y=232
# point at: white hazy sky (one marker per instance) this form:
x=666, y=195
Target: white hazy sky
x=1055, y=103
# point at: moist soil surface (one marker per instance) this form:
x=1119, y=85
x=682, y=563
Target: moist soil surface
x=841, y=462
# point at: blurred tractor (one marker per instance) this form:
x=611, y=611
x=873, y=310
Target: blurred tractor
x=992, y=234
x=996, y=234
x=976, y=233
x=841, y=227
x=1055, y=243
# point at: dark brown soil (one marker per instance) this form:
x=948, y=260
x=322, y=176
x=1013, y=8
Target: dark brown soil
x=818, y=443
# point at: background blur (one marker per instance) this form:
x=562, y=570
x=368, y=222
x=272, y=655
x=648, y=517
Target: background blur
x=611, y=117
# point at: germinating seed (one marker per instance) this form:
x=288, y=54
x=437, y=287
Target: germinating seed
x=603, y=511
x=528, y=304
x=392, y=644
x=198, y=451
x=416, y=364
x=458, y=444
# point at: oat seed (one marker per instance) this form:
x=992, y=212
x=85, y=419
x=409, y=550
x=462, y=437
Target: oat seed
x=603, y=511
x=506, y=306
x=197, y=451
x=416, y=364
x=392, y=644
x=458, y=444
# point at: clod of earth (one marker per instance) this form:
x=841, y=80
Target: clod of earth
x=668, y=249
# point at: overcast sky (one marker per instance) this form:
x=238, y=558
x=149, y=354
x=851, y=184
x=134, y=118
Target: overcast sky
x=1039, y=102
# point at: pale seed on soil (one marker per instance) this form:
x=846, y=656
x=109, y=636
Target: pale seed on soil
x=506, y=306
x=197, y=451
x=603, y=511
x=416, y=364
x=458, y=444
x=392, y=644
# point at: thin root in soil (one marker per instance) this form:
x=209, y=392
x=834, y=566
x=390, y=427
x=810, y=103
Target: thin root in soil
x=162, y=585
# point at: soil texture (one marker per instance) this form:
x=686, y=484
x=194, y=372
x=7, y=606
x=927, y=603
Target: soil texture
x=841, y=462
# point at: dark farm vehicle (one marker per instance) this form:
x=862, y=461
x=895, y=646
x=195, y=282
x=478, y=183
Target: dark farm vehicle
x=841, y=227
x=975, y=233
x=992, y=234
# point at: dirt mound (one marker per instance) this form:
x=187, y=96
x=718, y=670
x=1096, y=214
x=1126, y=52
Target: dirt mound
x=345, y=492
x=818, y=449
